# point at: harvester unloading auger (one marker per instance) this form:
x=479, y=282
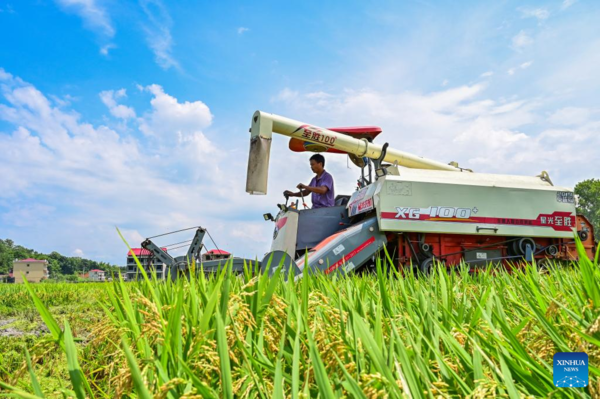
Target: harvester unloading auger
x=422, y=211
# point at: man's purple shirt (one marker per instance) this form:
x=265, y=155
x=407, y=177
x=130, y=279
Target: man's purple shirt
x=323, y=200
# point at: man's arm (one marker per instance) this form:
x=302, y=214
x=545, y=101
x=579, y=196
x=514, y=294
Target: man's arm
x=318, y=190
x=288, y=193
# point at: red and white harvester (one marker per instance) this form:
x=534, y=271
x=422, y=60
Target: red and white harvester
x=424, y=212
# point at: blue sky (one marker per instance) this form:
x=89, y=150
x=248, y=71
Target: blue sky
x=135, y=114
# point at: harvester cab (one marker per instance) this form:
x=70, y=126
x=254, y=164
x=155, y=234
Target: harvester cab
x=424, y=212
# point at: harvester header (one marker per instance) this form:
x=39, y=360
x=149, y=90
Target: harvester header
x=264, y=124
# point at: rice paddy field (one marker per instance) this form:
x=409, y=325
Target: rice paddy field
x=383, y=335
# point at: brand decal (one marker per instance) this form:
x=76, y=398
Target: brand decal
x=365, y=205
x=565, y=197
x=361, y=201
x=338, y=249
x=443, y=212
x=315, y=134
x=558, y=221
x=350, y=255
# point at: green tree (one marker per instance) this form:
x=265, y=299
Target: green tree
x=588, y=192
x=58, y=264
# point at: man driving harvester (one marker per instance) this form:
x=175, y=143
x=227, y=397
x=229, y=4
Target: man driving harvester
x=321, y=186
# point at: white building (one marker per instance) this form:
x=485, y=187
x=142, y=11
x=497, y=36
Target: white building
x=97, y=275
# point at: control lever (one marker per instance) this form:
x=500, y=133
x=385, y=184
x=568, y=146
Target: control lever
x=303, y=203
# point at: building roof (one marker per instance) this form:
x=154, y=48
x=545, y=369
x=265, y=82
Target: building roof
x=31, y=260
x=142, y=252
x=217, y=252
x=97, y=270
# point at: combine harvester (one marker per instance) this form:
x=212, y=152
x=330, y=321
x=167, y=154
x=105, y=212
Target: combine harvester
x=423, y=211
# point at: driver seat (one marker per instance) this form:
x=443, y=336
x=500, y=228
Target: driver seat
x=342, y=200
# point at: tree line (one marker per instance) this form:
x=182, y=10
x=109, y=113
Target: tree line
x=588, y=202
x=58, y=265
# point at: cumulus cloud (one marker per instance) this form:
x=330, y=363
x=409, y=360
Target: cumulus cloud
x=83, y=179
x=158, y=33
x=110, y=97
x=170, y=117
x=461, y=124
x=78, y=252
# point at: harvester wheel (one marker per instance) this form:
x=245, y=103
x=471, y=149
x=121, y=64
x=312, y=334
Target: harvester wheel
x=426, y=266
x=523, y=242
x=552, y=250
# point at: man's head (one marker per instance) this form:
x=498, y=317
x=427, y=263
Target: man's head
x=317, y=163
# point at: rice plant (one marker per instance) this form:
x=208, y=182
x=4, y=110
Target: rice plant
x=388, y=334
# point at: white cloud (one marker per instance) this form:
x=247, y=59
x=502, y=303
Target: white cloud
x=65, y=180
x=570, y=116
x=169, y=117
x=526, y=65
x=567, y=3
x=78, y=252
x=109, y=98
x=241, y=30
x=158, y=33
x=95, y=17
x=27, y=215
x=521, y=40
x=539, y=13
x=487, y=74
x=132, y=236
x=104, y=50
x=4, y=75
x=487, y=135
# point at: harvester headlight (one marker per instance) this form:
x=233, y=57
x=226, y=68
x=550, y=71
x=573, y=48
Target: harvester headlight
x=380, y=172
x=268, y=217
